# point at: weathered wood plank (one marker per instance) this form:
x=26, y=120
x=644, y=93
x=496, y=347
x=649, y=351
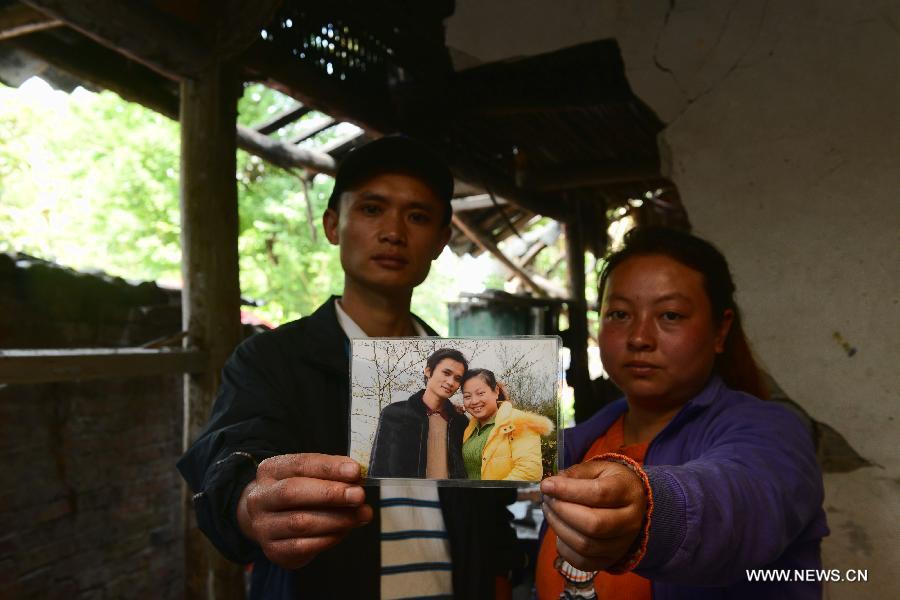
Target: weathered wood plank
x=77, y=364
x=136, y=30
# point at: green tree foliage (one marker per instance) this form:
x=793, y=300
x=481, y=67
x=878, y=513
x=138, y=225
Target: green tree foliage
x=91, y=181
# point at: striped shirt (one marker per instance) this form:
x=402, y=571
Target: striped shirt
x=415, y=551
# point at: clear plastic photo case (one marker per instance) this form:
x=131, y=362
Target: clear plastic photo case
x=469, y=412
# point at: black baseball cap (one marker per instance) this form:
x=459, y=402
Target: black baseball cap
x=394, y=154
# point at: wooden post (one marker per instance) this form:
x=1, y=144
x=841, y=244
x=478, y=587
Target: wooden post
x=211, y=289
x=578, y=376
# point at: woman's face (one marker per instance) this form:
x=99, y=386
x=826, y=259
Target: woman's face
x=658, y=340
x=479, y=399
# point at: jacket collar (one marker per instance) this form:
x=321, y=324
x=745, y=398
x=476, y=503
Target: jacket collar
x=707, y=396
x=328, y=346
x=417, y=401
x=580, y=438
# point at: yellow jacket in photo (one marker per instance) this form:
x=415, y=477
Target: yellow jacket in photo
x=513, y=448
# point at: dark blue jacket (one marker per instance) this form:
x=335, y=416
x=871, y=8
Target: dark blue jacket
x=400, y=448
x=735, y=486
x=287, y=391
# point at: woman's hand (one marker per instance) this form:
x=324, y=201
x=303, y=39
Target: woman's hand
x=597, y=511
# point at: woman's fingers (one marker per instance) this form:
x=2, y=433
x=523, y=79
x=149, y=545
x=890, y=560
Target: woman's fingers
x=601, y=484
x=597, y=523
x=590, y=553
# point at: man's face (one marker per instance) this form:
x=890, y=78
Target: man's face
x=444, y=380
x=389, y=229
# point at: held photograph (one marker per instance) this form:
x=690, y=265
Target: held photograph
x=459, y=411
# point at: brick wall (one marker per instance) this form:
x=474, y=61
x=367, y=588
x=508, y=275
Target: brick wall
x=89, y=496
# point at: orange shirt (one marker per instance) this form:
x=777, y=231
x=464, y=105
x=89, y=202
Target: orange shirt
x=627, y=586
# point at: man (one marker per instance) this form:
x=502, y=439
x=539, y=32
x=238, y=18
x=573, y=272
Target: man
x=422, y=436
x=271, y=480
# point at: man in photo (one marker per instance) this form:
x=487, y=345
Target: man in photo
x=271, y=481
x=422, y=436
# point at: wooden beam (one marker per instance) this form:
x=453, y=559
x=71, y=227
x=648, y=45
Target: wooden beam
x=314, y=88
x=210, y=296
x=136, y=30
x=78, y=364
x=237, y=24
x=286, y=156
x=105, y=69
x=136, y=83
x=279, y=121
x=485, y=243
x=567, y=177
x=505, y=188
x=532, y=253
x=577, y=337
x=18, y=20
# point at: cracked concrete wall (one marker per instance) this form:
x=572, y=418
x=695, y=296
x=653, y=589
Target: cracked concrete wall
x=783, y=138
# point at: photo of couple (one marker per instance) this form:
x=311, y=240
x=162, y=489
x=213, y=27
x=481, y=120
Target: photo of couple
x=462, y=410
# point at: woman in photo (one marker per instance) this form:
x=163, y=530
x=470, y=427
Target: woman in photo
x=501, y=442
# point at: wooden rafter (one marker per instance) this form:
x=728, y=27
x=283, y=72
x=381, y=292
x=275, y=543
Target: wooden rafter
x=136, y=30
x=475, y=203
x=18, y=20
x=484, y=242
x=588, y=175
x=312, y=129
x=279, y=121
x=338, y=145
x=106, y=69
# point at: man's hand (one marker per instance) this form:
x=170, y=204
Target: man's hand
x=597, y=510
x=302, y=504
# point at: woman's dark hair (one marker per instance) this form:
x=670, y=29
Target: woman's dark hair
x=444, y=353
x=736, y=364
x=488, y=377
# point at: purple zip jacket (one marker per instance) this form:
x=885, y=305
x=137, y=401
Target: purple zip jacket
x=736, y=486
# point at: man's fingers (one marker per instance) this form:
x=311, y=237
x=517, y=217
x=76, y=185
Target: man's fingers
x=315, y=466
x=302, y=492
x=597, y=523
x=294, y=553
x=315, y=523
x=612, y=491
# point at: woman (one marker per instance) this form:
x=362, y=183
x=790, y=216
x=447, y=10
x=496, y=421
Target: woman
x=501, y=442
x=690, y=480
